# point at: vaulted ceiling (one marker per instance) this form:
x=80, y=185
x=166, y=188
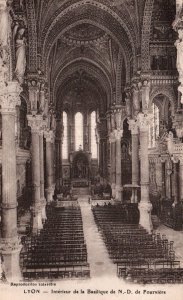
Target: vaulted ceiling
x=101, y=40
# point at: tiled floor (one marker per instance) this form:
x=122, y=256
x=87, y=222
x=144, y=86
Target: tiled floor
x=100, y=263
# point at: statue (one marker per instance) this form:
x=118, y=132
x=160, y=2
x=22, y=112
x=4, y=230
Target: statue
x=4, y=41
x=4, y=32
x=20, y=45
x=179, y=46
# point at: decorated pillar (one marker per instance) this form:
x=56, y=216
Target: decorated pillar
x=145, y=205
x=35, y=122
x=42, y=196
x=102, y=138
x=163, y=180
x=50, y=184
x=10, y=245
x=117, y=126
x=58, y=150
x=118, y=189
x=175, y=179
x=181, y=177
x=159, y=175
x=168, y=175
x=135, y=158
x=113, y=163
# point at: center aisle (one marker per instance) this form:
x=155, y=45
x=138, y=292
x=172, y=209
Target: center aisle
x=98, y=258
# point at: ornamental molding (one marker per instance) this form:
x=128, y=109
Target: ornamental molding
x=32, y=35
x=122, y=20
x=119, y=22
x=146, y=34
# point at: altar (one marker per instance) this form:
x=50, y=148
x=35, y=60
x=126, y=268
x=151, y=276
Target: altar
x=80, y=172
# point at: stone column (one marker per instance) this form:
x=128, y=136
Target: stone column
x=163, y=179
x=135, y=158
x=176, y=180
x=42, y=197
x=50, y=186
x=10, y=245
x=168, y=181
x=181, y=178
x=35, y=122
x=58, y=148
x=118, y=189
x=159, y=175
x=113, y=163
x=145, y=205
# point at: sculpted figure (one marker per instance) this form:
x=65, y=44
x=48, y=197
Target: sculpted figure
x=4, y=30
x=20, y=45
x=179, y=46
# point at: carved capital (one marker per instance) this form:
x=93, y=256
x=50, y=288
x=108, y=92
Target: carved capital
x=36, y=123
x=49, y=136
x=175, y=159
x=181, y=159
x=133, y=126
x=112, y=137
x=10, y=97
x=143, y=121
x=118, y=134
x=9, y=245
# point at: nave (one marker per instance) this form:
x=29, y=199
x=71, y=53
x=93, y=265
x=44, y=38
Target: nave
x=91, y=103
x=88, y=241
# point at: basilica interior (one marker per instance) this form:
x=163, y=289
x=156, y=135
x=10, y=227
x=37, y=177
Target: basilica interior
x=91, y=140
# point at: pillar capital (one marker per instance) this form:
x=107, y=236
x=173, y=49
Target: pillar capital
x=143, y=121
x=10, y=96
x=181, y=159
x=133, y=126
x=175, y=159
x=9, y=245
x=112, y=137
x=36, y=123
x=49, y=136
x=118, y=133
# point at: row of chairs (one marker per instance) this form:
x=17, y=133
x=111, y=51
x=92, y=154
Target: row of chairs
x=59, y=250
x=140, y=257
